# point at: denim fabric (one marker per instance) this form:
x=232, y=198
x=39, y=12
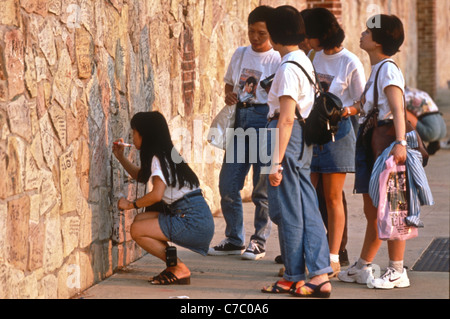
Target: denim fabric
x=338, y=156
x=190, y=225
x=363, y=169
x=232, y=177
x=294, y=208
x=431, y=128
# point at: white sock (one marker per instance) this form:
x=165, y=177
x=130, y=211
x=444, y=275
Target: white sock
x=334, y=258
x=397, y=265
x=361, y=263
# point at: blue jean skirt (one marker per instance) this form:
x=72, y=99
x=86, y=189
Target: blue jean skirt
x=190, y=223
x=338, y=156
x=363, y=168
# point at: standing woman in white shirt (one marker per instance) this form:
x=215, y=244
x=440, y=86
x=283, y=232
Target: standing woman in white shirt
x=381, y=40
x=341, y=73
x=292, y=198
x=187, y=220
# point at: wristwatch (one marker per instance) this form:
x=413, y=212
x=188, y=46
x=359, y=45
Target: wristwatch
x=402, y=143
x=135, y=205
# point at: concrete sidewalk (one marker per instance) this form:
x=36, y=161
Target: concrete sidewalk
x=218, y=277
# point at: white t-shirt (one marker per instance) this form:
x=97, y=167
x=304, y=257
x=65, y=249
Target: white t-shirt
x=171, y=194
x=291, y=81
x=342, y=73
x=256, y=66
x=389, y=75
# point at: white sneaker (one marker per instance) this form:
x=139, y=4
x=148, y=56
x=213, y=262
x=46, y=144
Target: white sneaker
x=253, y=251
x=353, y=274
x=390, y=279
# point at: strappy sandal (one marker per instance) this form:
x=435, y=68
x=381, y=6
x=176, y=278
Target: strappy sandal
x=157, y=277
x=315, y=293
x=168, y=278
x=276, y=289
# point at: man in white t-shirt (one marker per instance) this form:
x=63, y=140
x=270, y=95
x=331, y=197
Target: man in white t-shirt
x=248, y=67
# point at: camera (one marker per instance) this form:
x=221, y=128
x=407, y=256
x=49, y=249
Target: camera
x=267, y=82
x=171, y=256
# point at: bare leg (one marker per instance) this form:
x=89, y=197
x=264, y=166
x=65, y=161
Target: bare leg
x=333, y=185
x=147, y=233
x=371, y=241
x=396, y=249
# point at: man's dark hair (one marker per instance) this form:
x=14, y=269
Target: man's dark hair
x=321, y=24
x=259, y=14
x=286, y=26
x=388, y=31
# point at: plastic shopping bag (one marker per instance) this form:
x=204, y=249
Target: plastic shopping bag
x=393, y=204
x=217, y=135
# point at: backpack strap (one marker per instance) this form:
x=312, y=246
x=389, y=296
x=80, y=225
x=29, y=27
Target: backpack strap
x=300, y=118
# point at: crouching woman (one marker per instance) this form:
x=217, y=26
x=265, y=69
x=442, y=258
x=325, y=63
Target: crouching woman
x=186, y=219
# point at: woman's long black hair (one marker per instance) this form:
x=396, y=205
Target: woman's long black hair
x=156, y=141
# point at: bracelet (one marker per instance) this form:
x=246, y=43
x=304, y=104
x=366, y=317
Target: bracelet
x=135, y=205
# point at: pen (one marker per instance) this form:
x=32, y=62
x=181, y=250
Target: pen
x=123, y=144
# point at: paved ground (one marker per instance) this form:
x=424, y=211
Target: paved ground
x=236, y=279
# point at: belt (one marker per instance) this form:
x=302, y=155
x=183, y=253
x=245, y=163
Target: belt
x=244, y=105
x=276, y=116
x=197, y=192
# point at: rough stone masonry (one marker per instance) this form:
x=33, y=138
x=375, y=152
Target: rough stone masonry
x=72, y=74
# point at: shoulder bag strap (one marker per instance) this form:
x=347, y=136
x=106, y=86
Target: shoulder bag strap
x=375, y=88
x=375, y=92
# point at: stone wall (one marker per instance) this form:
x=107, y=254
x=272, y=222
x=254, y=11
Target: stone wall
x=72, y=74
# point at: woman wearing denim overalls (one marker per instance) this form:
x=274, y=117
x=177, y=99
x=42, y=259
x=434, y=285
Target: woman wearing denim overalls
x=292, y=198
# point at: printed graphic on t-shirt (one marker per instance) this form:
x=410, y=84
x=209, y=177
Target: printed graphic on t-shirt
x=248, y=83
x=325, y=80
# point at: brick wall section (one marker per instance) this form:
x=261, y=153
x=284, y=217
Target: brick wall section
x=188, y=70
x=335, y=6
x=426, y=30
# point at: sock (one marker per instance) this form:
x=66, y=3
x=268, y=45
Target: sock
x=361, y=263
x=334, y=258
x=397, y=265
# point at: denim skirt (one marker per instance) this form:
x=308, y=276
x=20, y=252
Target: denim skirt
x=338, y=156
x=363, y=168
x=190, y=223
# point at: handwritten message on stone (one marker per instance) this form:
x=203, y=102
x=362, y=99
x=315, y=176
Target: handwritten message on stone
x=49, y=195
x=63, y=79
x=47, y=43
x=19, y=118
x=18, y=215
x=68, y=179
x=58, y=117
x=84, y=51
x=14, y=62
x=48, y=137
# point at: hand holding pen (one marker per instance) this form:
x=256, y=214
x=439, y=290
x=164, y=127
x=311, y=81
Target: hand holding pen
x=123, y=144
x=119, y=147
